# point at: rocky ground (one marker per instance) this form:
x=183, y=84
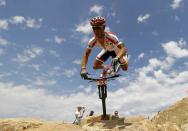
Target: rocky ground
x=174, y=118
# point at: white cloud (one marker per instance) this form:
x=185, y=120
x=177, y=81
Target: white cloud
x=153, y=64
x=40, y=81
x=33, y=23
x=77, y=61
x=54, y=53
x=175, y=49
x=59, y=40
x=36, y=66
x=97, y=9
x=84, y=27
x=143, y=19
x=56, y=39
x=2, y=2
x=23, y=101
x=86, y=89
x=176, y=4
x=54, y=72
x=70, y=72
x=26, y=22
x=3, y=24
x=4, y=42
x=17, y=20
x=140, y=56
x=29, y=54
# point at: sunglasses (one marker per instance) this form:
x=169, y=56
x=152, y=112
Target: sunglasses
x=97, y=27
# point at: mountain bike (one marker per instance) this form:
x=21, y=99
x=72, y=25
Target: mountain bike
x=102, y=87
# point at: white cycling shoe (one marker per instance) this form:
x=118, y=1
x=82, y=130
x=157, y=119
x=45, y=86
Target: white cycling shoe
x=116, y=67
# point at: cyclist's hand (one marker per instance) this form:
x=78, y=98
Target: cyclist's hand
x=83, y=73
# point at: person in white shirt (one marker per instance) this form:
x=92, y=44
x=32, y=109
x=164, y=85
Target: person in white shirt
x=79, y=115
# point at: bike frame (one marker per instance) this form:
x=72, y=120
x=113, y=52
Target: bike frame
x=102, y=88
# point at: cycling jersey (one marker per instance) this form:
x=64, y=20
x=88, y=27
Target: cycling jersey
x=110, y=44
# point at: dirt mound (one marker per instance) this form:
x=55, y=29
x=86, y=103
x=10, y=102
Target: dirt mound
x=35, y=125
x=174, y=118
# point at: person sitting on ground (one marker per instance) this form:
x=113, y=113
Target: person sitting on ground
x=91, y=113
x=116, y=114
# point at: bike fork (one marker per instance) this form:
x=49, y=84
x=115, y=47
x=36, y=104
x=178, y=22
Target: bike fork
x=102, y=95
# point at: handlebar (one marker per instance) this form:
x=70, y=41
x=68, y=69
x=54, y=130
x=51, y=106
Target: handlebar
x=91, y=79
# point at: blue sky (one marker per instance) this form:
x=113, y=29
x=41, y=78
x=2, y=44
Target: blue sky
x=42, y=43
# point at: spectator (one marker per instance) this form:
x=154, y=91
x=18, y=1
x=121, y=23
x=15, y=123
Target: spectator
x=79, y=115
x=91, y=113
x=116, y=114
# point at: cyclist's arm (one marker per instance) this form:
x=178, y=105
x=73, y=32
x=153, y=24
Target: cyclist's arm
x=85, y=57
x=123, y=50
x=120, y=45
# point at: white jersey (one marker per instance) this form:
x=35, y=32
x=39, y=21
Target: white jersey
x=110, y=42
x=78, y=116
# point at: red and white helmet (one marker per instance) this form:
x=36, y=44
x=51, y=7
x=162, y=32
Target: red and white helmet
x=97, y=21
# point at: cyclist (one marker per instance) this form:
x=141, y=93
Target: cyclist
x=110, y=45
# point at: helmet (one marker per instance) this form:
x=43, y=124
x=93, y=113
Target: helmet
x=97, y=21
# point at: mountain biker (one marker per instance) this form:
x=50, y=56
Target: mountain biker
x=110, y=45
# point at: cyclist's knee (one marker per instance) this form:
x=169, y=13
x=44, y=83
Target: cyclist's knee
x=95, y=67
x=124, y=67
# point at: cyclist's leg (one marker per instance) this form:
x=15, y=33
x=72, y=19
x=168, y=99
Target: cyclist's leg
x=98, y=64
x=100, y=59
x=124, y=63
x=116, y=66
